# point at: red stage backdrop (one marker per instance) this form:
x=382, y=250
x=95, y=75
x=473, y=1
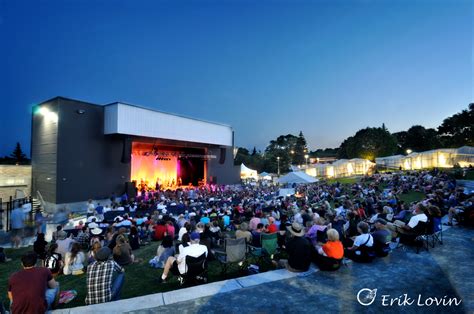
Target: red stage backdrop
x=149, y=170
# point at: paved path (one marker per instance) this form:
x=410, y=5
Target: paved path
x=445, y=272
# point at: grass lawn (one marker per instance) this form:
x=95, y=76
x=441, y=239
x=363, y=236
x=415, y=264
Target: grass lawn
x=349, y=180
x=140, y=279
x=412, y=196
x=469, y=175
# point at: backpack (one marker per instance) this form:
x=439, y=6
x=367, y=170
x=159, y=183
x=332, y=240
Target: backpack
x=52, y=262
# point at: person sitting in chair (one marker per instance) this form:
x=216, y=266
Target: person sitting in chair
x=177, y=265
x=399, y=227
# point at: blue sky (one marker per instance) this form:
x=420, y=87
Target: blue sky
x=267, y=68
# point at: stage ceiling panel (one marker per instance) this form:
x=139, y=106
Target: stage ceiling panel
x=132, y=120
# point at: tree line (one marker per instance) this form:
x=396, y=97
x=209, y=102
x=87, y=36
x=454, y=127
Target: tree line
x=17, y=157
x=368, y=143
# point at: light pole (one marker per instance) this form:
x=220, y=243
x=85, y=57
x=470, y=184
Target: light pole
x=306, y=157
x=278, y=162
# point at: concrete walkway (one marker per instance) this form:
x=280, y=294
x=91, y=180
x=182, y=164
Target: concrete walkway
x=444, y=273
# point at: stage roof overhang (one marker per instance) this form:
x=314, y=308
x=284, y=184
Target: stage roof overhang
x=127, y=119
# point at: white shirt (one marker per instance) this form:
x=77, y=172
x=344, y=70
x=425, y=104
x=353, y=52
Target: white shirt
x=416, y=219
x=73, y=265
x=64, y=246
x=360, y=240
x=125, y=222
x=340, y=211
x=194, y=250
x=181, y=232
x=90, y=208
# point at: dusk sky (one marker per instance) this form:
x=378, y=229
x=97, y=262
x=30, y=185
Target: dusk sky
x=327, y=68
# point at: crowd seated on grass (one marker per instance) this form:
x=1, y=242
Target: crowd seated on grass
x=322, y=223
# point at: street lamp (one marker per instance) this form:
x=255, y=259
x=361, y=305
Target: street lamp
x=278, y=161
x=409, y=151
x=306, y=157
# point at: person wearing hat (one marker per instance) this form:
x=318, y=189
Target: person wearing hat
x=100, y=286
x=299, y=250
x=382, y=238
x=178, y=265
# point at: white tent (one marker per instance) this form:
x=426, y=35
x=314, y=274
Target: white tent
x=392, y=162
x=247, y=173
x=265, y=176
x=297, y=177
x=440, y=158
x=464, y=156
x=341, y=168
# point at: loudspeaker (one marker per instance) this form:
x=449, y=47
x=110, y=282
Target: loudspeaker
x=222, y=156
x=212, y=180
x=131, y=189
x=127, y=150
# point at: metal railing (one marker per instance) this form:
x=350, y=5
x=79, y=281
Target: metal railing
x=6, y=208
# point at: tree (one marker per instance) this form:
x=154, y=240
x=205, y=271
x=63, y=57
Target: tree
x=458, y=130
x=242, y=156
x=281, y=147
x=368, y=143
x=417, y=139
x=402, y=140
x=300, y=150
x=18, y=155
x=327, y=152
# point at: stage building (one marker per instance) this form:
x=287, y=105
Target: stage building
x=81, y=150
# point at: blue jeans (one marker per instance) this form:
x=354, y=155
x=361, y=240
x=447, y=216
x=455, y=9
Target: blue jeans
x=117, y=286
x=50, y=296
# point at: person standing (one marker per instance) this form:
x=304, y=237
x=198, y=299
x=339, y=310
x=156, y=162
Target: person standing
x=33, y=289
x=18, y=224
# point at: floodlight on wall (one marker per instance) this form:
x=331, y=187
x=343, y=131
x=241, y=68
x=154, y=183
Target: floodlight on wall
x=50, y=116
x=44, y=111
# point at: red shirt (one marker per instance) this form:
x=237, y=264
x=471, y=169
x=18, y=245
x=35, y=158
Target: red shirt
x=170, y=230
x=28, y=288
x=272, y=228
x=160, y=231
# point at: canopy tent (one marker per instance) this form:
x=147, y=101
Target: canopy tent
x=286, y=192
x=297, y=177
x=437, y=158
x=341, y=168
x=464, y=156
x=351, y=167
x=265, y=176
x=391, y=162
x=247, y=173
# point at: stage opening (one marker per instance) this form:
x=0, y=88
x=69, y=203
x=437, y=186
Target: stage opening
x=159, y=167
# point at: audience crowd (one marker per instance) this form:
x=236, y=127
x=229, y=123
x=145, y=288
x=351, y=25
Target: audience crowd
x=321, y=223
